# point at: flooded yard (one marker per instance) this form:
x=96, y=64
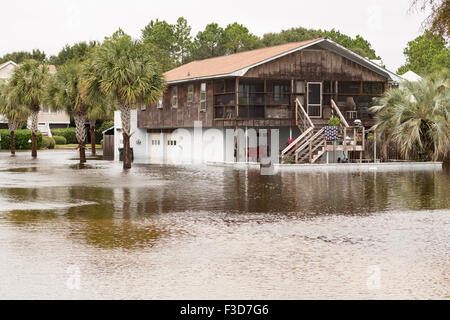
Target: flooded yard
x=205, y=232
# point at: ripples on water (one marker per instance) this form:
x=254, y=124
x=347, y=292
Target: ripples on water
x=211, y=233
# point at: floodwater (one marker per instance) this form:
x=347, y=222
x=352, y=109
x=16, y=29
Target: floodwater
x=166, y=232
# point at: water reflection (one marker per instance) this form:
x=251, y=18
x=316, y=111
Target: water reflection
x=197, y=229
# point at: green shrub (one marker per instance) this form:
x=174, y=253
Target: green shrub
x=101, y=143
x=59, y=140
x=99, y=132
x=21, y=138
x=48, y=143
x=289, y=160
x=69, y=133
x=334, y=122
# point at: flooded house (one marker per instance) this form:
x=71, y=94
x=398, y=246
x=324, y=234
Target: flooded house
x=281, y=96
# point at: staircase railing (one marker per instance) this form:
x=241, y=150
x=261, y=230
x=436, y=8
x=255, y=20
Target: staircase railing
x=339, y=113
x=290, y=149
x=302, y=118
x=310, y=146
x=304, y=123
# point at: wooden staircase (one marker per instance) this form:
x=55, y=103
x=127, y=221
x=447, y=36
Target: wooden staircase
x=311, y=145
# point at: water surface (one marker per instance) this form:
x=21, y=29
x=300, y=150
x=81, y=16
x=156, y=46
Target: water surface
x=204, y=232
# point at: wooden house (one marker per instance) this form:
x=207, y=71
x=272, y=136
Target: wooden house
x=294, y=88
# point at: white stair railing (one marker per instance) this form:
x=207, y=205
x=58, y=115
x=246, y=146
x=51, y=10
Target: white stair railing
x=339, y=113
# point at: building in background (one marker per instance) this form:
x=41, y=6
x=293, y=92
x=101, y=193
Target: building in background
x=47, y=119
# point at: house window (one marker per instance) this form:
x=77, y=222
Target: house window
x=160, y=103
x=281, y=93
x=45, y=109
x=175, y=97
x=172, y=143
x=203, y=97
x=190, y=96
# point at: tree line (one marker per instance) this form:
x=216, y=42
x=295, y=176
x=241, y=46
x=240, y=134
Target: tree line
x=174, y=45
x=116, y=74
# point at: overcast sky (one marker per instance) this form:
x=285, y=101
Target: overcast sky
x=50, y=24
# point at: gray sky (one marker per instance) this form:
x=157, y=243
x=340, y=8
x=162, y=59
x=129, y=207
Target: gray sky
x=50, y=24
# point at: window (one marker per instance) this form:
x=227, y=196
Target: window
x=45, y=109
x=156, y=142
x=300, y=87
x=203, y=97
x=281, y=93
x=160, y=103
x=175, y=97
x=375, y=88
x=349, y=87
x=171, y=142
x=190, y=96
x=143, y=107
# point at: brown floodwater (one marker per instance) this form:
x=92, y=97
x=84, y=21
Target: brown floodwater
x=206, y=232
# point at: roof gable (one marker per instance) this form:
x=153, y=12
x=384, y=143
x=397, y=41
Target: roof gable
x=238, y=64
x=7, y=64
x=230, y=64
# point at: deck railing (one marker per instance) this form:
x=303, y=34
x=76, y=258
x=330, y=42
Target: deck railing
x=339, y=113
x=302, y=118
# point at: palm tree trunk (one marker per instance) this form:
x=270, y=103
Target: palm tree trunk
x=13, y=143
x=125, y=113
x=80, y=121
x=82, y=147
x=12, y=125
x=34, y=131
x=92, y=129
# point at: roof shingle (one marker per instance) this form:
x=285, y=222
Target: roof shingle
x=231, y=63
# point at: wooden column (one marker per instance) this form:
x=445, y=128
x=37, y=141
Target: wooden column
x=345, y=142
x=336, y=93
x=375, y=146
x=237, y=97
x=265, y=101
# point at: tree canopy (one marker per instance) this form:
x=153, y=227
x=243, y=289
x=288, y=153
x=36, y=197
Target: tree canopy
x=358, y=44
x=237, y=38
x=20, y=56
x=416, y=117
x=76, y=53
x=426, y=54
x=209, y=42
x=438, y=20
x=172, y=44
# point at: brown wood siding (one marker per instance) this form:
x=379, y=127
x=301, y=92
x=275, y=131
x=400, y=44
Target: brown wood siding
x=314, y=65
x=306, y=65
x=187, y=112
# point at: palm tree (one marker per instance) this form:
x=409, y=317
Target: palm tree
x=63, y=92
x=15, y=114
x=416, y=117
x=123, y=71
x=27, y=85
